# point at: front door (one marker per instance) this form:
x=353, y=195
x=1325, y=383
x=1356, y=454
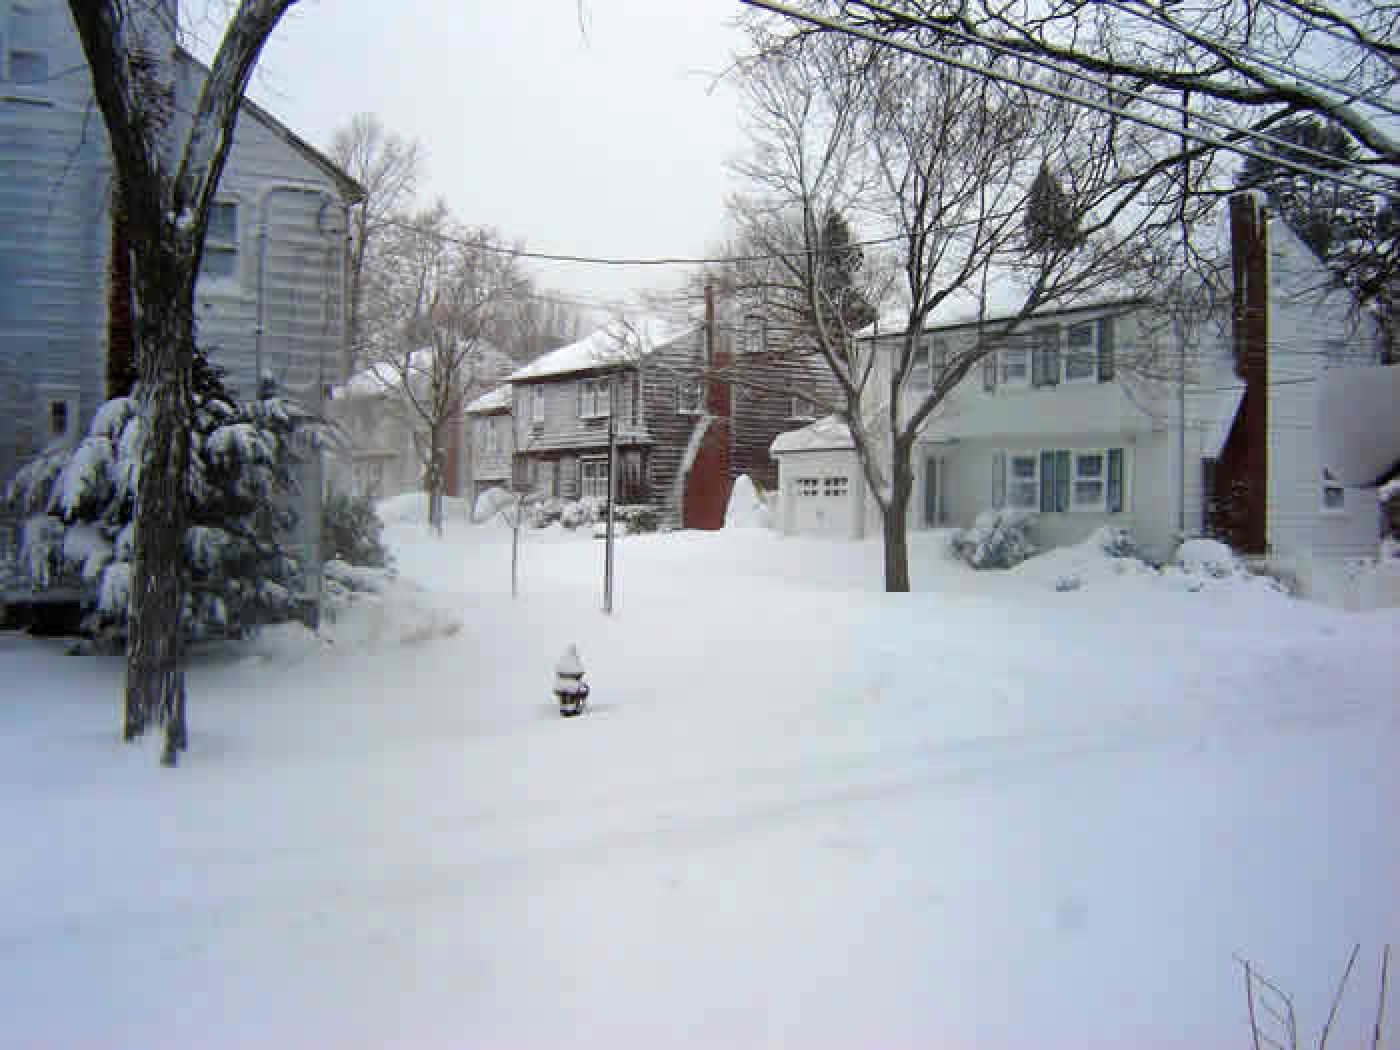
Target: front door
x=932, y=487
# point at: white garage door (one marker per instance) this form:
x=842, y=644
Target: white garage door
x=822, y=503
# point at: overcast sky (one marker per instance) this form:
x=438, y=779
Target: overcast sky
x=603, y=140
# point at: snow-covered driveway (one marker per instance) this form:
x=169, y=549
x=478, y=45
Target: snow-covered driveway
x=799, y=811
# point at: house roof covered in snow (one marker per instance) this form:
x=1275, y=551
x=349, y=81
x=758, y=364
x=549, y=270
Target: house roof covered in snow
x=497, y=400
x=828, y=434
x=485, y=362
x=1005, y=298
x=616, y=343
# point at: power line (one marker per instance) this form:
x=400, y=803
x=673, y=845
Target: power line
x=944, y=58
x=1256, y=58
x=1078, y=75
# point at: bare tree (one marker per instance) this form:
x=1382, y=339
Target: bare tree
x=1255, y=63
x=166, y=194
x=388, y=166
x=944, y=167
x=441, y=291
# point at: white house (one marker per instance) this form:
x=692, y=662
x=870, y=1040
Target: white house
x=1102, y=411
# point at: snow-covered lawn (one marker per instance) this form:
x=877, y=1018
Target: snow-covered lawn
x=798, y=811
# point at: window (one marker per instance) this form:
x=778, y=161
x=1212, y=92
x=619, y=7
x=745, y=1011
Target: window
x=221, y=241
x=1045, y=355
x=595, y=478
x=808, y=486
x=57, y=414
x=1081, y=355
x=1089, y=478
x=1013, y=363
x=689, y=401
x=921, y=368
x=568, y=477
x=835, y=487
x=800, y=408
x=594, y=398
x=1056, y=481
x=489, y=440
x=755, y=335
x=537, y=406
x=1023, y=483
x=24, y=57
x=1334, y=496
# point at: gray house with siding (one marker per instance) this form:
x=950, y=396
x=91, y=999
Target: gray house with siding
x=270, y=297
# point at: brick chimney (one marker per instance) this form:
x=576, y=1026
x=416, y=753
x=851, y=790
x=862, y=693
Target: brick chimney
x=707, y=484
x=1241, y=477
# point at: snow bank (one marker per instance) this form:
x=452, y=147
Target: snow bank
x=1107, y=554
x=489, y=504
x=746, y=508
x=411, y=508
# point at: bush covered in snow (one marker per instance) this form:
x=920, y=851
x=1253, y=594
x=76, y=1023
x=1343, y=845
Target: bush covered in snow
x=78, y=502
x=351, y=530
x=998, y=539
x=1208, y=558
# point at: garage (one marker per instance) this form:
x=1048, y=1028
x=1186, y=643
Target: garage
x=820, y=481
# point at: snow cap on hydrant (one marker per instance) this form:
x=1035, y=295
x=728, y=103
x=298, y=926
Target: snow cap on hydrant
x=569, y=664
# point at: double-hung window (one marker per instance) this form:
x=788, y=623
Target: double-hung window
x=537, y=406
x=808, y=486
x=489, y=438
x=1081, y=353
x=1023, y=481
x=1058, y=481
x=921, y=367
x=221, y=241
x=689, y=399
x=755, y=335
x=1014, y=363
x=836, y=486
x=594, y=398
x=24, y=49
x=595, y=478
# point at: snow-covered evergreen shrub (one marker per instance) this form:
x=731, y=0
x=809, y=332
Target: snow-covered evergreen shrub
x=998, y=539
x=579, y=512
x=1114, y=541
x=78, y=502
x=351, y=530
x=544, y=513
x=638, y=517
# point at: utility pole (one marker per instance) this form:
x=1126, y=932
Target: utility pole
x=612, y=495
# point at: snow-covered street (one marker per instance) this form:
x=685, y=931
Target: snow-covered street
x=798, y=811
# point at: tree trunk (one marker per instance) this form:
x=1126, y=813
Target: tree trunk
x=155, y=678
x=896, y=519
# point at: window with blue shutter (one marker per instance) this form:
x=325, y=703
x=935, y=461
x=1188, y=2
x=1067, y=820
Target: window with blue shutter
x=1062, y=480
x=1047, y=482
x=1115, y=481
x=989, y=371
x=1105, y=349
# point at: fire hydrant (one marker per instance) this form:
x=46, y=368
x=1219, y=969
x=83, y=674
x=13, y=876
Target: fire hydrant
x=569, y=686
